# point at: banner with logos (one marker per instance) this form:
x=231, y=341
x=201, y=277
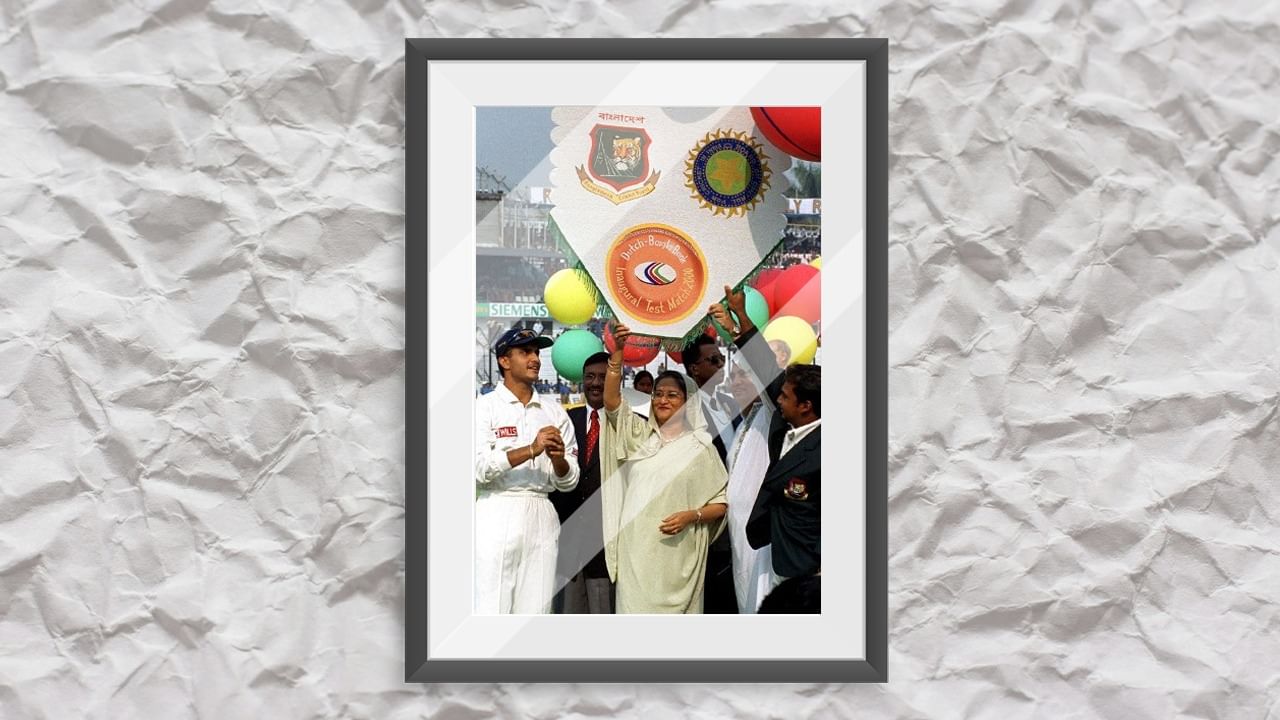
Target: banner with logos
x=665, y=206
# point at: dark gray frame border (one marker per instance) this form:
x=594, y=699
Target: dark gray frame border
x=875, y=52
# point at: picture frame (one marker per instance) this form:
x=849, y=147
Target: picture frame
x=443, y=78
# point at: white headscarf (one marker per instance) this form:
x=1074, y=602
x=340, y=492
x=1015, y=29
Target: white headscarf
x=694, y=421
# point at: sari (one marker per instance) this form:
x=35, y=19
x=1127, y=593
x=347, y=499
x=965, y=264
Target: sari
x=643, y=480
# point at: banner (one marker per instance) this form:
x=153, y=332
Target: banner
x=522, y=310
x=804, y=206
x=666, y=206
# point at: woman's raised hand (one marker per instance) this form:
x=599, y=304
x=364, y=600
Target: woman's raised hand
x=613, y=378
x=620, y=334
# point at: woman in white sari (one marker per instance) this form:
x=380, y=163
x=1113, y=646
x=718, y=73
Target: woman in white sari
x=663, y=489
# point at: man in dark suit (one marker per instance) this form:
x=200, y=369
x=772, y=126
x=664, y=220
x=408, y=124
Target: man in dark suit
x=787, y=512
x=580, y=563
x=704, y=362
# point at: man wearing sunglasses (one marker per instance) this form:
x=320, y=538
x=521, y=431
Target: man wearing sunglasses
x=704, y=362
x=525, y=449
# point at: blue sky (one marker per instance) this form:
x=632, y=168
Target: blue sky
x=514, y=142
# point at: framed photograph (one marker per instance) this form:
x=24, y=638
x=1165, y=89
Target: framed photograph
x=506, y=141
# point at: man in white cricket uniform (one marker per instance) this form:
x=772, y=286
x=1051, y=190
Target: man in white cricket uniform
x=525, y=448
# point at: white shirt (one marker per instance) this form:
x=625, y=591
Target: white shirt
x=748, y=459
x=502, y=424
x=795, y=435
x=719, y=410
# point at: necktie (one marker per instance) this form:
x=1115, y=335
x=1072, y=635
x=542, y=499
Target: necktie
x=593, y=434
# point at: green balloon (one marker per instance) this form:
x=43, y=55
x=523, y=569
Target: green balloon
x=572, y=348
x=757, y=310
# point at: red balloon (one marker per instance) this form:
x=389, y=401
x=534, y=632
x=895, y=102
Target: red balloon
x=798, y=291
x=796, y=131
x=640, y=349
x=766, y=277
x=676, y=356
x=764, y=285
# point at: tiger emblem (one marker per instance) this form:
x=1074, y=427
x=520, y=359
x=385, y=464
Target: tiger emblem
x=626, y=155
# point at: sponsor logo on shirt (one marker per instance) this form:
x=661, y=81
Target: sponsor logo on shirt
x=507, y=431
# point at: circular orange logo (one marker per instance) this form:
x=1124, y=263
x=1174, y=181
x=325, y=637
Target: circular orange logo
x=656, y=273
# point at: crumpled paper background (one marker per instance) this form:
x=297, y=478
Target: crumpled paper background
x=202, y=329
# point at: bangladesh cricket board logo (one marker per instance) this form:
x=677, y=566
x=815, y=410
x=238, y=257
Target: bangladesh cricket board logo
x=727, y=172
x=618, y=159
x=656, y=273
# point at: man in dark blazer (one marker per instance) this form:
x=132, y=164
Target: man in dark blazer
x=704, y=362
x=788, y=510
x=580, y=563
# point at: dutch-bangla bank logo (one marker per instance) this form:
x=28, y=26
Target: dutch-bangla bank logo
x=656, y=273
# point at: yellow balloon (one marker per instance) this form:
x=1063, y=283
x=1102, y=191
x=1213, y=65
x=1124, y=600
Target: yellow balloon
x=797, y=334
x=570, y=296
x=816, y=262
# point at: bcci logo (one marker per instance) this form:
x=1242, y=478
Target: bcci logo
x=656, y=273
x=618, y=159
x=727, y=171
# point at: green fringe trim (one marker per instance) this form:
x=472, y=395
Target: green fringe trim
x=769, y=259
x=562, y=244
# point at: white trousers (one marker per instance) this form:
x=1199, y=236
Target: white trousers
x=516, y=540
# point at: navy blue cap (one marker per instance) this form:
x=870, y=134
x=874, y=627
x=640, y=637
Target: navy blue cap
x=517, y=337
